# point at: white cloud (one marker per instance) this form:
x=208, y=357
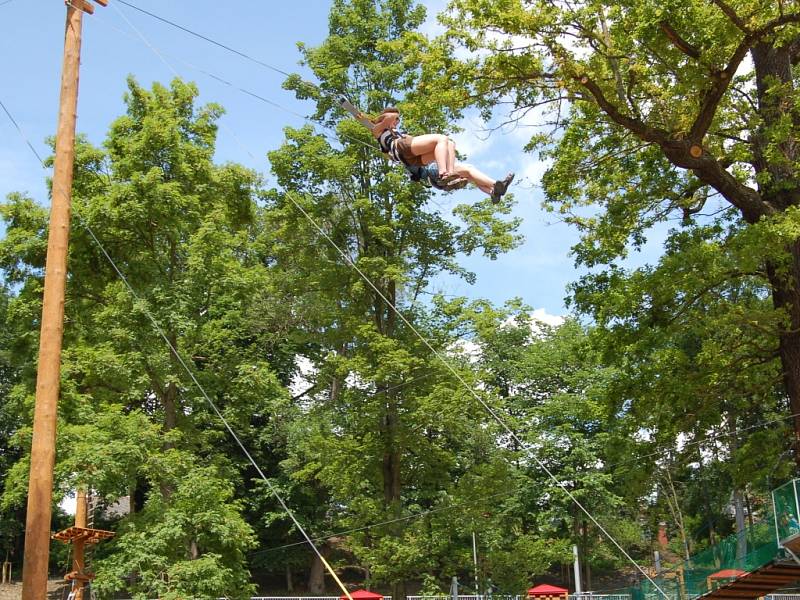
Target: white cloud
x=533, y=169
x=468, y=349
x=301, y=380
x=541, y=315
x=69, y=503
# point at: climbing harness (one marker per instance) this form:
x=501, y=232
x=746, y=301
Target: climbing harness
x=397, y=145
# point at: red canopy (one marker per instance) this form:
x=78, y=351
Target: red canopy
x=546, y=590
x=363, y=595
x=727, y=574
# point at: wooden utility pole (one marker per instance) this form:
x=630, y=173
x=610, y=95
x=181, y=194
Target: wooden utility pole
x=79, y=535
x=78, y=558
x=40, y=486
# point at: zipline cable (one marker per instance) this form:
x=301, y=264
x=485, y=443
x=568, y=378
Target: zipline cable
x=525, y=446
x=143, y=307
x=209, y=40
x=334, y=135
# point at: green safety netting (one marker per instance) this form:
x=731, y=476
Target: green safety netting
x=732, y=557
x=786, y=508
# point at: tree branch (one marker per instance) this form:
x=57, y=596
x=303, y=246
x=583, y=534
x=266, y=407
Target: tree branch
x=637, y=126
x=687, y=155
x=687, y=194
x=304, y=392
x=724, y=77
x=613, y=61
x=677, y=41
x=731, y=14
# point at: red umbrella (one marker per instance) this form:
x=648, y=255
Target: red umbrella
x=727, y=574
x=546, y=590
x=363, y=595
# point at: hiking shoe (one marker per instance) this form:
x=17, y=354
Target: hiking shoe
x=501, y=187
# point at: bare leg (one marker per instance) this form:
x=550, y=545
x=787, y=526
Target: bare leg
x=424, y=145
x=451, y=155
x=473, y=175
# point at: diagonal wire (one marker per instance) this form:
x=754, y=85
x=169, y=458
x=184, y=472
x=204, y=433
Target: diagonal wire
x=447, y=364
x=19, y=129
x=207, y=39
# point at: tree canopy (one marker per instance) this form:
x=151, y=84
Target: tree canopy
x=669, y=395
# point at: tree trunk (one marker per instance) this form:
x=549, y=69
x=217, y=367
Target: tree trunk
x=289, y=582
x=170, y=408
x=677, y=514
x=786, y=296
x=399, y=590
x=392, y=484
x=170, y=401
x=741, y=530
x=391, y=459
x=170, y=398
x=778, y=186
x=316, y=574
x=386, y=322
x=774, y=90
x=587, y=571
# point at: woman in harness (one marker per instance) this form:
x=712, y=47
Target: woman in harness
x=431, y=150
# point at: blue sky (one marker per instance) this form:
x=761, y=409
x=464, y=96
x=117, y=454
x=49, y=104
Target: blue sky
x=538, y=271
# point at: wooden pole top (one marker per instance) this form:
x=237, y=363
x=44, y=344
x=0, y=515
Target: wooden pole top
x=85, y=5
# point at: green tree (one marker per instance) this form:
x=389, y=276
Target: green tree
x=11, y=528
x=554, y=383
x=183, y=230
x=674, y=111
x=382, y=433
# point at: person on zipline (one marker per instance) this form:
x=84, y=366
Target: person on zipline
x=434, y=152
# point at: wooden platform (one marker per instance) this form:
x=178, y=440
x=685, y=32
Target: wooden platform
x=772, y=576
x=87, y=535
x=792, y=543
